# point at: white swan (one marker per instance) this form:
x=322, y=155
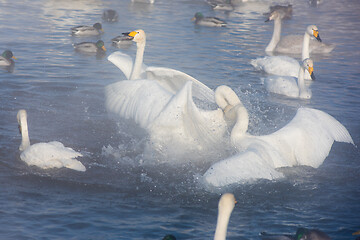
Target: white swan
x=284, y=65
x=165, y=115
x=46, y=155
x=225, y=207
x=290, y=86
x=293, y=43
x=170, y=79
x=305, y=140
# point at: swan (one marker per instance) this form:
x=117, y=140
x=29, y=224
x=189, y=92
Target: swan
x=172, y=80
x=165, y=115
x=294, y=43
x=46, y=155
x=110, y=15
x=284, y=65
x=6, y=58
x=89, y=47
x=208, y=21
x=301, y=234
x=82, y=30
x=290, y=86
x=225, y=207
x=305, y=140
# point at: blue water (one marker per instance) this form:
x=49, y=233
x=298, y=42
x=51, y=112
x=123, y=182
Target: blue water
x=122, y=197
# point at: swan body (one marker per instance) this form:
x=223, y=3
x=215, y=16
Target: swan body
x=46, y=155
x=305, y=140
x=294, y=43
x=110, y=15
x=90, y=47
x=6, y=58
x=166, y=115
x=94, y=30
x=225, y=207
x=284, y=65
x=290, y=86
x=208, y=21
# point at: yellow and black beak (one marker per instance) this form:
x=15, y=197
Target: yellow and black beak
x=130, y=35
x=311, y=72
x=317, y=35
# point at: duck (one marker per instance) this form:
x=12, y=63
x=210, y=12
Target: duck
x=6, y=58
x=208, y=21
x=110, y=15
x=305, y=140
x=121, y=41
x=90, y=47
x=225, y=5
x=284, y=65
x=290, y=86
x=225, y=207
x=172, y=80
x=294, y=43
x=46, y=155
x=171, y=118
x=301, y=234
x=81, y=31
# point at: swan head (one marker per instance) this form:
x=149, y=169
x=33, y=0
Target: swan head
x=308, y=64
x=312, y=30
x=137, y=36
x=23, y=129
x=276, y=14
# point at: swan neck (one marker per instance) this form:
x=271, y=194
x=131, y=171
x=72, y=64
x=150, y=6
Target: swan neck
x=305, y=48
x=138, y=61
x=25, y=140
x=301, y=82
x=221, y=226
x=241, y=125
x=275, y=37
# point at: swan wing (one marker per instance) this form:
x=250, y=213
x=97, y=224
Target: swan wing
x=140, y=100
x=290, y=44
x=173, y=80
x=242, y=167
x=124, y=62
x=182, y=120
x=52, y=155
x=307, y=138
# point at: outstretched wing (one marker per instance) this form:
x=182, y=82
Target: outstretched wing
x=173, y=80
x=140, y=100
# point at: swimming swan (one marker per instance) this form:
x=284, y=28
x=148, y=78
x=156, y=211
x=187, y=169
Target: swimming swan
x=293, y=43
x=305, y=140
x=167, y=116
x=225, y=207
x=290, y=86
x=46, y=155
x=284, y=65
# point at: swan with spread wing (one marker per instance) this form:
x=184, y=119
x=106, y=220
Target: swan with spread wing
x=305, y=140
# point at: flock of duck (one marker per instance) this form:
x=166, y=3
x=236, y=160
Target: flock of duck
x=161, y=100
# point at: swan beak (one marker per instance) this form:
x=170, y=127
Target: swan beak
x=268, y=20
x=103, y=48
x=127, y=35
x=317, y=35
x=311, y=72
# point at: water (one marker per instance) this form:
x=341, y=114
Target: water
x=124, y=194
